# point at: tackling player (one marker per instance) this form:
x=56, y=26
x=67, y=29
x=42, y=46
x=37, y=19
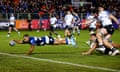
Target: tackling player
x=107, y=28
x=45, y=40
x=106, y=50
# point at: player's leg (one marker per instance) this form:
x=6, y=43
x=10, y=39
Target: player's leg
x=74, y=29
x=110, y=46
x=91, y=31
x=16, y=30
x=9, y=31
x=78, y=30
x=102, y=32
x=51, y=30
x=56, y=33
x=67, y=31
x=60, y=41
x=64, y=41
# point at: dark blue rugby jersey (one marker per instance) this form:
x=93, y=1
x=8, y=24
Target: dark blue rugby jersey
x=41, y=40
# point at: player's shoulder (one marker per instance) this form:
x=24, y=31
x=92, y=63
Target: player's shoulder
x=105, y=12
x=90, y=17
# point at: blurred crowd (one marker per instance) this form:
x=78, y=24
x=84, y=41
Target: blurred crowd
x=56, y=7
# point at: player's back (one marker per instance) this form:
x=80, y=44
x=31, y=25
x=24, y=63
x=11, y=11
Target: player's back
x=94, y=20
x=68, y=19
x=53, y=20
x=36, y=41
x=104, y=18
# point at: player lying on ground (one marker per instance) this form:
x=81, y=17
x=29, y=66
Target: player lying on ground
x=41, y=41
x=105, y=50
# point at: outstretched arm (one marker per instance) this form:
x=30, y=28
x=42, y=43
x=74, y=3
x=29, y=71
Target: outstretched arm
x=90, y=50
x=87, y=22
x=19, y=41
x=30, y=50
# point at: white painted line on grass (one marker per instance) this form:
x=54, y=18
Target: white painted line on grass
x=60, y=62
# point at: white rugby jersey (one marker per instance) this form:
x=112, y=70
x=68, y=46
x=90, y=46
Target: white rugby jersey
x=93, y=23
x=12, y=20
x=53, y=20
x=104, y=18
x=68, y=19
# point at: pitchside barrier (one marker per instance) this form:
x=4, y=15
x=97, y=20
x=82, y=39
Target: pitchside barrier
x=35, y=24
x=44, y=24
x=23, y=23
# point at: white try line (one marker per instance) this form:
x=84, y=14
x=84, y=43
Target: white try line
x=60, y=62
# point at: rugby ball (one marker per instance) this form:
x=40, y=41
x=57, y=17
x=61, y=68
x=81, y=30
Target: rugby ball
x=12, y=43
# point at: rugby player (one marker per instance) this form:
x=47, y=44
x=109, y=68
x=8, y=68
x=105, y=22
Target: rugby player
x=106, y=50
x=53, y=21
x=12, y=25
x=91, y=21
x=106, y=31
x=76, y=22
x=45, y=40
x=68, y=23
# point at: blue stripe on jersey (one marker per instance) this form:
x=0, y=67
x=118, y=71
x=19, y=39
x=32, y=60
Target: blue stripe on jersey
x=66, y=41
x=32, y=41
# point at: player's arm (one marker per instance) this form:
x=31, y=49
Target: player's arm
x=30, y=50
x=114, y=19
x=90, y=50
x=116, y=45
x=88, y=21
x=19, y=41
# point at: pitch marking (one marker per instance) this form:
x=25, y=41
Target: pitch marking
x=60, y=62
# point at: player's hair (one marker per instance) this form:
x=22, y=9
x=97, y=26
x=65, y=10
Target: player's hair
x=25, y=35
x=93, y=34
x=103, y=6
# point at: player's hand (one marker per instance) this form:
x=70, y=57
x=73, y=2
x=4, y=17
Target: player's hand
x=85, y=53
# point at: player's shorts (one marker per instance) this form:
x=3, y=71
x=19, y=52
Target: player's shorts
x=92, y=29
x=68, y=27
x=76, y=24
x=110, y=29
x=11, y=25
x=107, y=50
x=52, y=28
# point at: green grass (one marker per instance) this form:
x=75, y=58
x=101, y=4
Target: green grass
x=63, y=53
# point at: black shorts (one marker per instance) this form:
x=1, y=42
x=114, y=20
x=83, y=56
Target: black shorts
x=107, y=50
x=68, y=27
x=92, y=29
x=76, y=24
x=52, y=28
x=110, y=29
x=11, y=25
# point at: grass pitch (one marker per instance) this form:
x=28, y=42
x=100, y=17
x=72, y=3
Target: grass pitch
x=64, y=53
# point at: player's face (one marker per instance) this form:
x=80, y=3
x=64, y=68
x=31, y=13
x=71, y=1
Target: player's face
x=100, y=8
x=68, y=12
x=26, y=39
x=92, y=38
